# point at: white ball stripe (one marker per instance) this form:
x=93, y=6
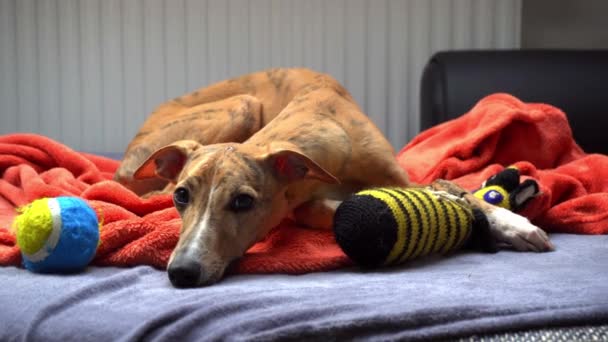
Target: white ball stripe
x=53, y=238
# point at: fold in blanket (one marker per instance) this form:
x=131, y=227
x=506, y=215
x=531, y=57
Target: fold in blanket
x=499, y=131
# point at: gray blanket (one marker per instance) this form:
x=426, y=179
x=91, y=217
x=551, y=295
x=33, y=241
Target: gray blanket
x=461, y=295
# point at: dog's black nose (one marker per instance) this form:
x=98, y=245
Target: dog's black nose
x=184, y=273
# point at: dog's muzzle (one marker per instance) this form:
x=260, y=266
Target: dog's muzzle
x=185, y=272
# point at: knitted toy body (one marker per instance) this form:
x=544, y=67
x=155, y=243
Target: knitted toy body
x=386, y=226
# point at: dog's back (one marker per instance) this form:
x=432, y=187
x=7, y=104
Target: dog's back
x=300, y=95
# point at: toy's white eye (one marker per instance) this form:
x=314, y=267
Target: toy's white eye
x=493, y=197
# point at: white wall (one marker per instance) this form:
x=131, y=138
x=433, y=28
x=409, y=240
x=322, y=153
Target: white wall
x=88, y=72
x=573, y=24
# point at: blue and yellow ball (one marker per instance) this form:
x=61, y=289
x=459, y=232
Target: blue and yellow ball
x=57, y=235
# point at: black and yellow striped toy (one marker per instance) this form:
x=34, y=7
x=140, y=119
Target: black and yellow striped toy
x=387, y=226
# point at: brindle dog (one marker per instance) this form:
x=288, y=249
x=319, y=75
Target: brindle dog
x=242, y=154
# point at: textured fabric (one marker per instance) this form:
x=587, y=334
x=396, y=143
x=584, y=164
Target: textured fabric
x=466, y=294
x=567, y=334
x=501, y=131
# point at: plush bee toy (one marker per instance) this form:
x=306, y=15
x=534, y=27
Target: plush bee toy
x=504, y=190
x=388, y=226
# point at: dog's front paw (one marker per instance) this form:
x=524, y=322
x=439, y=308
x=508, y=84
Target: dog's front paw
x=517, y=232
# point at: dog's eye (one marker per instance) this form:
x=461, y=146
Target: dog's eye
x=241, y=202
x=181, y=196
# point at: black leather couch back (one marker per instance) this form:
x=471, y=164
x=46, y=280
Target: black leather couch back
x=573, y=80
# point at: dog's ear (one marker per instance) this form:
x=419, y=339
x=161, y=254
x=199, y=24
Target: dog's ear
x=290, y=164
x=167, y=162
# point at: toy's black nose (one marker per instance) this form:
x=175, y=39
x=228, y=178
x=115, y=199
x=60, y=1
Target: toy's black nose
x=184, y=272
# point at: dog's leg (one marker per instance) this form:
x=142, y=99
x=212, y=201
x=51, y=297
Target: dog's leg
x=516, y=231
x=506, y=227
x=318, y=213
x=233, y=119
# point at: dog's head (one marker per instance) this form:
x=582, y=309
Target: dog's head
x=229, y=196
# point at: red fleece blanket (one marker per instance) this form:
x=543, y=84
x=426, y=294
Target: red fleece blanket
x=499, y=131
